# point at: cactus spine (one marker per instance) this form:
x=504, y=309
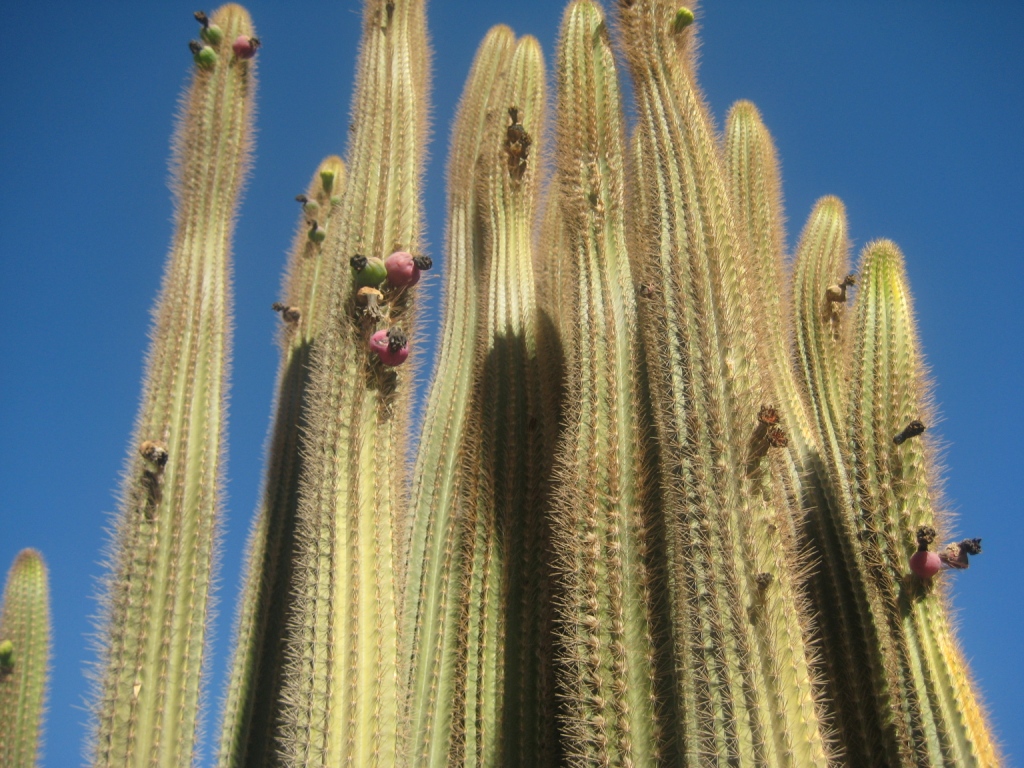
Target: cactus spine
x=24, y=658
x=156, y=602
x=742, y=658
x=604, y=542
x=341, y=689
x=251, y=705
x=936, y=717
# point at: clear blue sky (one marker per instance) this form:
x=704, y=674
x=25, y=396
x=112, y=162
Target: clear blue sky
x=911, y=112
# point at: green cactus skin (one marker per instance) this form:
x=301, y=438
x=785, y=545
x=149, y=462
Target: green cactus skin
x=341, y=693
x=251, y=706
x=25, y=624
x=834, y=588
x=156, y=604
x=432, y=603
x=937, y=717
x=743, y=661
x=608, y=604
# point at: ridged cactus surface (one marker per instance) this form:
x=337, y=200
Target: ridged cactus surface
x=340, y=701
x=157, y=594
x=934, y=713
x=24, y=659
x=251, y=708
x=612, y=665
x=674, y=500
x=739, y=627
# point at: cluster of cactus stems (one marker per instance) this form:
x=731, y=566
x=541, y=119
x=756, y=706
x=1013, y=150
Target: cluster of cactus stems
x=674, y=501
x=24, y=656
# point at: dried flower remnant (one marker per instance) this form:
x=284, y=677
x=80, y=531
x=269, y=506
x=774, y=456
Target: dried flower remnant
x=517, y=145
x=955, y=555
x=288, y=314
x=913, y=429
x=837, y=293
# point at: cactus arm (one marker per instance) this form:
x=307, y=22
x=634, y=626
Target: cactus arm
x=851, y=638
x=938, y=717
x=432, y=601
x=746, y=689
x=602, y=535
x=341, y=687
x=25, y=631
x=251, y=705
x=156, y=603
x=503, y=684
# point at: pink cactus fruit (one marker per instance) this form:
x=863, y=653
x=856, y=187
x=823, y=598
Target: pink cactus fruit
x=391, y=346
x=245, y=47
x=924, y=564
x=404, y=268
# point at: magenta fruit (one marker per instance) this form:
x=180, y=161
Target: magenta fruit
x=925, y=564
x=245, y=47
x=404, y=269
x=391, y=346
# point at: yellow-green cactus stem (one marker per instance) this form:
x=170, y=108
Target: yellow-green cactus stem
x=24, y=659
x=153, y=633
x=937, y=716
x=432, y=600
x=481, y=690
x=252, y=705
x=746, y=688
x=341, y=690
x=611, y=595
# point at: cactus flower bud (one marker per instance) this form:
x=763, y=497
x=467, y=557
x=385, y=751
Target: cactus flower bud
x=317, y=233
x=245, y=47
x=327, y=180
x=404, y=269
x=210, y=33
x=684, y=18
x=369, y=272
x=309, y=207
x=6, y=655
x=391, y=346
x=203, y=55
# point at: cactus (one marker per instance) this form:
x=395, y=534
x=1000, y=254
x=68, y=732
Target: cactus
x=24, y=656
x=146, y=701
x=340, y=699
x=605, y=531
x=674, y=499
x=250, y=711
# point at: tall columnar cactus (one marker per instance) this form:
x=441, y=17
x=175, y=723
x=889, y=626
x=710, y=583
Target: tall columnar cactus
x=743, y=661
x=24, y=657
x=654, y=474
x=251, y=706
x=606, y=538
x=932, y=709
x=480, y=689
x=157, y=594
x=340, y=698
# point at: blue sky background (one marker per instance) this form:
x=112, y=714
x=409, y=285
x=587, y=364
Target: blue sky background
x=913, y=113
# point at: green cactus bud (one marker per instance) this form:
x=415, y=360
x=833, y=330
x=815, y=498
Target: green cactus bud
x=327, y=180
x=368, y=272
x=684, y=18
x=317, y=234
x=203, y=55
